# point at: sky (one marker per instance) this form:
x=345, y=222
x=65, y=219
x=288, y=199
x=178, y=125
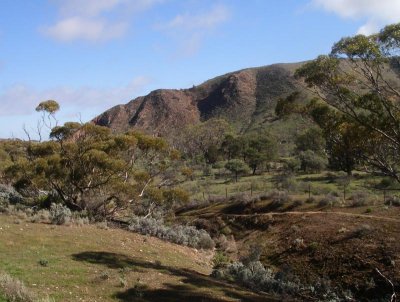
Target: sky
x=90, y=55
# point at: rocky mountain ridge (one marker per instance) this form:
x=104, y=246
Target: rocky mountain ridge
x=246, y=98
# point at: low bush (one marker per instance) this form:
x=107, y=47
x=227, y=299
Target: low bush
x=59, y=214
x=41, y=216
x=179, y=234
x=328, y=200
x=310, y=199
x=102, y=225
x=220, y=260
x=256, y=276
x=289, y=183
x=362, y=230
x=14, y=290
x=242, y=198
x=279, y=196
x=359, y=199
x=393, y=201
x=9, y=195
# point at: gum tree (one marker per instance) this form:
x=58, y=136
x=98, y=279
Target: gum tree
x=360, y=80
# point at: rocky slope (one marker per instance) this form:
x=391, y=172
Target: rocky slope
x=246, y=98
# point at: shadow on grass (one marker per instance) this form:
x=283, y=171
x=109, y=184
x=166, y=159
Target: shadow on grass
x=195, y=286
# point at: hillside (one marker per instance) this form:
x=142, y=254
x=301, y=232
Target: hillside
x=88, y=263
x=245, y=98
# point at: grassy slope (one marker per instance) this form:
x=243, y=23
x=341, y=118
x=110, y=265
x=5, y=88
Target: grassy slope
x=87, y=264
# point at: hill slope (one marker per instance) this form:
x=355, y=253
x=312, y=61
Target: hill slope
x=91, y=264
x=246, y=98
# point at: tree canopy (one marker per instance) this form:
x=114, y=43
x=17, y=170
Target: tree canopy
x=359, y=80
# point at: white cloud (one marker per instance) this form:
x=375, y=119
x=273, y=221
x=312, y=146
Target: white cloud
x=377, y=12
x=22, y=99
x=208, y=20
x=87, y=7
x=190, y=30
x=94, y=20
x=78, y=28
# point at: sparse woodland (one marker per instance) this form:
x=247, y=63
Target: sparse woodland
x=315, y=218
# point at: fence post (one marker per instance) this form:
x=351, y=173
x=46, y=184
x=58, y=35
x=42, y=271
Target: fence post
x=344, y=193
x=309, y=191
x=251, y=190
x=226, y=192
x=384, y=196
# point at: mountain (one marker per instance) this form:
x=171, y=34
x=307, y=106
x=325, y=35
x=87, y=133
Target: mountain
x=246, y=98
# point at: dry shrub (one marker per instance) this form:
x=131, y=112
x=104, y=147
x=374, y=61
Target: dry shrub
x=14, y=290
x=359, y=199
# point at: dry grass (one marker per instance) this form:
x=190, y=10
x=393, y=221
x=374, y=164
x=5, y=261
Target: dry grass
x=87, y=264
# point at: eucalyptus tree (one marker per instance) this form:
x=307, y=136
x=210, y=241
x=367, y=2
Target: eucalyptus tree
x=360, y=79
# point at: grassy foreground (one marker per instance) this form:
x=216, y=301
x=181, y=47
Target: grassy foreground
x=87, y=263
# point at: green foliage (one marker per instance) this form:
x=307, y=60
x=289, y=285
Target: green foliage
x=292, y=164
x=49, y=106
x=288, y=105
x=202, y=139
x=89, y=168
x=256, y=149
x=311, y=139
x=312, y=162
x=237, y=167
x=359, y=88
x=260, y=149
x=220, y=260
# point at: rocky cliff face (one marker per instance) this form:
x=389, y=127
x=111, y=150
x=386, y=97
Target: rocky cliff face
x=245, y=98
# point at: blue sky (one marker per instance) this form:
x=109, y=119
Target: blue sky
x=93, y=54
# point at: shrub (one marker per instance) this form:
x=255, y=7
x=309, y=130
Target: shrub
x=255, y=276
x=312, y=162
x=291, y=165
x=362, y=230
x=259, y=278
x=43, y=262
x=102, y=225
x=289, y=183
x=59, y=214
x=104, y=276
x=393, y=201
x=297, y=203
x=359, y=199
x=279, y=196
x=241, y=197
x=310, y=199
x=329, y=200
x=41, y=216
x=14, y=290
x=9, y=195
x=179, y=234
x=220, y=260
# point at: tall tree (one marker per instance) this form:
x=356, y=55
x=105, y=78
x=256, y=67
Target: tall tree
x=259, y=150
x=89, y=168
x=360, y=79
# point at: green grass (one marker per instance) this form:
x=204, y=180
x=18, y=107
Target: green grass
x=321, y=184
